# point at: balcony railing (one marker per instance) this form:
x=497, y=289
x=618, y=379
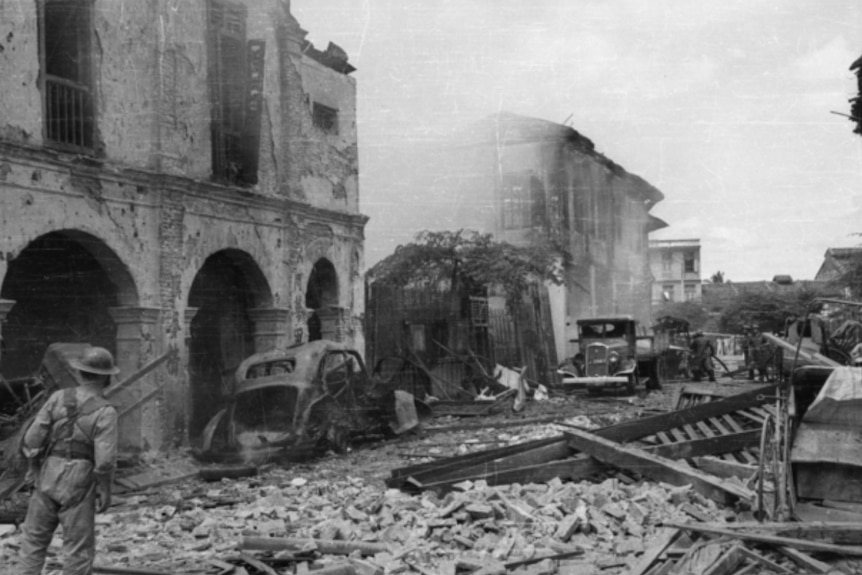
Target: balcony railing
x=68, y=113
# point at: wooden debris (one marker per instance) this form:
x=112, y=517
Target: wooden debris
x=647, y=426
x=846, y=533
x=771, y=539
x=658, y=468
x=330, y=547
x=807, y=562
x=657, y=545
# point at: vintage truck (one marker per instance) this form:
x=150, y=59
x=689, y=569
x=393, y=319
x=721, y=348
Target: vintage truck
x=612, y=357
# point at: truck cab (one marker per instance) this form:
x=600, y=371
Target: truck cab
x=612, y=356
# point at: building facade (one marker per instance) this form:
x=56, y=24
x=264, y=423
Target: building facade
x=525, y=179
x=675, y=267
x=837, y=262
x=175, y=177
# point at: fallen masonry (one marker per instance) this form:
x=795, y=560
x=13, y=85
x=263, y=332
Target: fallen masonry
x=633, y=498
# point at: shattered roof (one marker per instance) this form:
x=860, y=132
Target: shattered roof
x=509, y=129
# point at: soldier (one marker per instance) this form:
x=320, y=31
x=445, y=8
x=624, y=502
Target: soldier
x=702, y=351
x=749, y=349
x=73, y=439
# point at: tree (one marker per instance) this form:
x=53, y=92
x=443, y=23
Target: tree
x=768, y=311
x=470, y=257
x=694, y=313
x=717, y=277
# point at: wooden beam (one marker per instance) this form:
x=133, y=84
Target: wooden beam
x=841, y=532
x=112, y=390
x=807, y=562
x=658, y=468
x=725, y=469
x=631, y=430
x=556, y=451
x=728, y=562
x=709, y=446
x=776, y=540
x=664, y=537
x=397, y=476
x=577, y=467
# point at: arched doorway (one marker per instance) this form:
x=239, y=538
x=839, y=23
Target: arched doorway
x=225, y=289
x=63, y=285
x=321, y=299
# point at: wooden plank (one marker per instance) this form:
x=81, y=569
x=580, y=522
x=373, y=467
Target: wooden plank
x=553, y=452
x=112, y=390
x=728, y=562
x=707, y=431
x=459, y=461
x=631, y=430
x=658, y=468
x=716, y=444
x=769, y=564
x=725, y=469
x=657, y=545
x=578, y=467
x=751, y=416
x=841, y=532
x=664, y=438
x=810, y=512
x=853, y=550
x=806, y=561
x=678, y=435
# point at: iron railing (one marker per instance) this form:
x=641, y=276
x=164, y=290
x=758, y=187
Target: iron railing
x=68, y=113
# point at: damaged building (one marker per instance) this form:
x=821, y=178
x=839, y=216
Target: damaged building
x=522, y=179
x=176, y=178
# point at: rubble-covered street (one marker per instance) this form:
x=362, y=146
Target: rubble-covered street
x=611, y=523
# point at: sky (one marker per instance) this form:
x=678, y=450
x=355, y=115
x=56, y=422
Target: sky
x=726, y=107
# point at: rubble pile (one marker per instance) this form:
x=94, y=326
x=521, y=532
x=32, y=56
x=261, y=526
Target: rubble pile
x=604, y=524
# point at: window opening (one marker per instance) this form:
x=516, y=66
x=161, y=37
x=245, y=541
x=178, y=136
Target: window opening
x=67, y=67
x=325, y=118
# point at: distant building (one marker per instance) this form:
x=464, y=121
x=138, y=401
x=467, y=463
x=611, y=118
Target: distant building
x=523, y=179
x=675, y=267
x=836, y=262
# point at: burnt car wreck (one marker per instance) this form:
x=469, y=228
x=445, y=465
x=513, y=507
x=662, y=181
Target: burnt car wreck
x=300, y=402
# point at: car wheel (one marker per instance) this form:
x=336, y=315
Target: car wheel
x=338, y=439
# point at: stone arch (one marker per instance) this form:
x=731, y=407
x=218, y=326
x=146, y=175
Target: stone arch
x=64, y=285
x=322, y=302
x=225, y=292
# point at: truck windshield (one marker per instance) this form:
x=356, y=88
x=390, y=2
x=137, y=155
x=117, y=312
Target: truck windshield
x=603, y=330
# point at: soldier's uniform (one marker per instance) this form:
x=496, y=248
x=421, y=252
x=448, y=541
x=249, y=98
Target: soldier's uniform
x=75, y=433
x=702, y=350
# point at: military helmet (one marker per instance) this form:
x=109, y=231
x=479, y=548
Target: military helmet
x=97, y=360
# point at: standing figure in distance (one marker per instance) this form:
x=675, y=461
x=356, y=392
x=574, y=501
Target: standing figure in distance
x=702, y=350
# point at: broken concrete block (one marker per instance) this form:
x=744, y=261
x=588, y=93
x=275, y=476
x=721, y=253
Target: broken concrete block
x=567, y=527
x=480, y=510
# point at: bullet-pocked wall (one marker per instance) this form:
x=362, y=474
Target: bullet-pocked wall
x=182, y=189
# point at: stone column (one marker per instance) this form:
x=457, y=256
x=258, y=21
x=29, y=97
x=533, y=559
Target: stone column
x=5, y=307
x=271, y=328
x=185, y=395
x=137, y=344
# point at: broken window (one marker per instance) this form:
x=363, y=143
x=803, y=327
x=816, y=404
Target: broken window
x=325, y=118
x=517, y=199
x=67, y=79
x=690, y=263
x=236, y=85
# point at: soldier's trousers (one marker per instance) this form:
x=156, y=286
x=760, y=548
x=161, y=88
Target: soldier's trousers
x=44, y=514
